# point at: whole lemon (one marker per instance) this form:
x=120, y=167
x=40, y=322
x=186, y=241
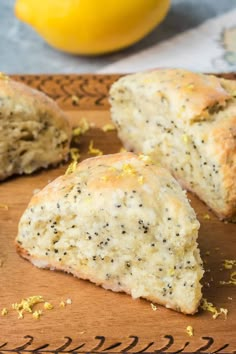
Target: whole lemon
x=92, y=26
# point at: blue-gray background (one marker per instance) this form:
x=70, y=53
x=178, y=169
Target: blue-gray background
x=23, y=51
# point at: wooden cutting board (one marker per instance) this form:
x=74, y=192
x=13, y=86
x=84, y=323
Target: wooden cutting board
x=100, y=321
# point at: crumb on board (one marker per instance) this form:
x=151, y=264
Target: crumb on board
x=94, y=151
x=75, y=99
x=207, y=253
x=230, y=298
x=208, y=306
x=62, y=304
x=189, y=330
x=68, y=301
x=4, y=206
x=206, y=217
x=4, y=311
x=154, y=307
x=108, y=127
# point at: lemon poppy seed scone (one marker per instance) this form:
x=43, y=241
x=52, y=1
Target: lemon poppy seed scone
x=34, y=132
x=187, y=122
x=121, y=222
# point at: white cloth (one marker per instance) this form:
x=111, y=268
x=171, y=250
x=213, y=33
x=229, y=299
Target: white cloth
x=210, y=47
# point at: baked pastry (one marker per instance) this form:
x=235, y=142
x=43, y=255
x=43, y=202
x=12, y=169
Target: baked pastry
x=121, y=222
x=34, y=132
x=187, y=122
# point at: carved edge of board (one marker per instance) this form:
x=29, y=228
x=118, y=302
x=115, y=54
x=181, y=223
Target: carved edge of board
x=133, y=345
x=82, y=91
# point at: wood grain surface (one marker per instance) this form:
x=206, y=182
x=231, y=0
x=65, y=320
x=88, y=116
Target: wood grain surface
x=97, y=320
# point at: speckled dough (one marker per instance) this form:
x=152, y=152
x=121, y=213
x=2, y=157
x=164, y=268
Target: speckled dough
x=187, y=122
x=34, y=132
x=121, y=222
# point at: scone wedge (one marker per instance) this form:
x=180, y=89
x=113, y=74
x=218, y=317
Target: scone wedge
x=34, y=132
x=120, y=222
x=187, y=122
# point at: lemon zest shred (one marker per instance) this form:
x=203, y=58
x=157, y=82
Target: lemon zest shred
x=4, y=311
x=37, y=314
x=71, y=168
x=62, y=304
x=48, y=306
x=154, y=307
x=208, y=306
x=82, y=128
x=74, y=154
x=108, y=128
x=190, y=331
x=206, y=217
x=145, y=158
x=229, y=263
x=93, y=151
x=185, y=138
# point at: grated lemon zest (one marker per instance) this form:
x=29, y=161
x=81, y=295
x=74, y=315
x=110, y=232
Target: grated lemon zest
x=141, y=179
x=94, y=151
x=154, y=307
x=229, y=263
x=71, y=168
x=108, y=128
x=74, y=154
x=48, y=306
x=189, y=330
x=82, y=128
x=208, y=306
x=36, y=314
x=62, y=304
x=206, y=217
x=4, y=311
x=145, y=158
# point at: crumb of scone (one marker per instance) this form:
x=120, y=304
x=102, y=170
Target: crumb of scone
x=189, y=331
x=230, y=298
x=108, y=128
x=4, y=206
x=68, y=301
x=36, y=314
x=48, y=306
x=207, y=253
x=208, y=306
x=93, y=151
x=4, y=311
x=75, y=99
x=154, y=307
